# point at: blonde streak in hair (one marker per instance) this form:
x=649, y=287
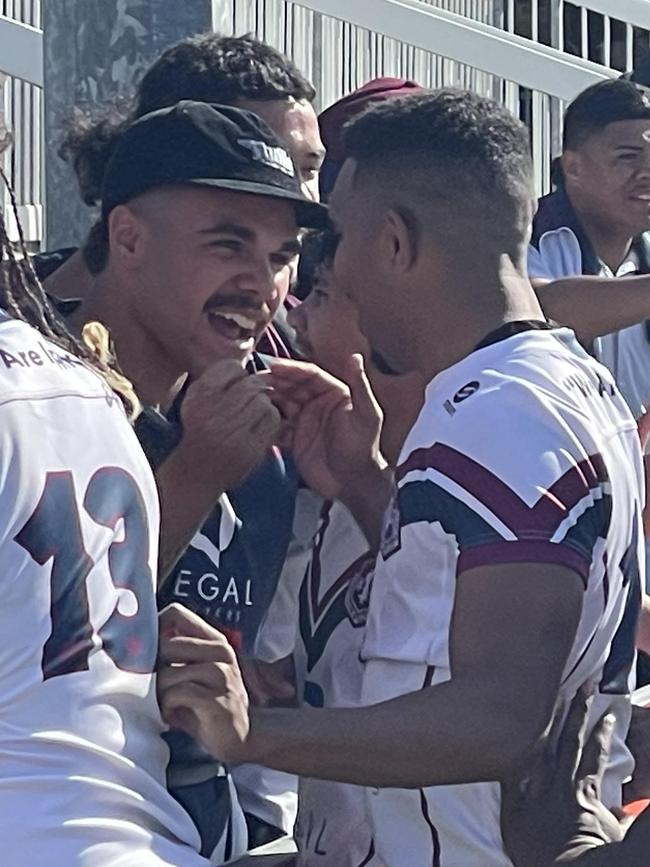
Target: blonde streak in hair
x=97, y=338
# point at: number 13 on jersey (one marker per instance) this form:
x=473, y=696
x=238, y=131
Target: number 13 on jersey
x=54, y=532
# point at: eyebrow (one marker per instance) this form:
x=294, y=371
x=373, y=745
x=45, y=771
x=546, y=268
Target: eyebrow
x=628, y=147
x=294, y=245
x=235, y=229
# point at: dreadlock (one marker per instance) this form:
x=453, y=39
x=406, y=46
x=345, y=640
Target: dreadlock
x=22, y=295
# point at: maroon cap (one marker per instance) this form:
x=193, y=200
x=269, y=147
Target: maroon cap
x=334, y=118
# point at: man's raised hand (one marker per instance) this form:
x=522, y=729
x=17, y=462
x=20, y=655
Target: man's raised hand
x=332, y=427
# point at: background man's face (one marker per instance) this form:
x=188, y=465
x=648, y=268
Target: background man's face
x=327, y=325
x=294, y=122
x=610, y=173
x=213, y=271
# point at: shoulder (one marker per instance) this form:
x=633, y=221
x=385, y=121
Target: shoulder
x=32, y=364
x=516, y=418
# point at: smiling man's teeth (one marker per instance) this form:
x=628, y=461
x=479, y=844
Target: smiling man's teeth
x=242, y=321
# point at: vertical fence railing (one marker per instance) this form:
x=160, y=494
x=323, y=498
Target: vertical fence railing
x=340, y=56
x=23, y=115
x=349, y=55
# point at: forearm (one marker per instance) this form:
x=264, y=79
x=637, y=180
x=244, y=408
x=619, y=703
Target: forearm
x=441, y=735
x=368, y=499
x=186, y=499
x=593, y=306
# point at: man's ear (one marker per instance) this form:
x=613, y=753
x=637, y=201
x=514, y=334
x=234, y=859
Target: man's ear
x=400, y=239
x=571, y=163
x=127, y=236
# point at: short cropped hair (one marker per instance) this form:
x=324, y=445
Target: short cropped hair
x=205, y=68
x=468, y=145
x=601, y=104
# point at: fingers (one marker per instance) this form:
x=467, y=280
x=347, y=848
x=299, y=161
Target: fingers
x=178, y=706
x=218, y=378
x=178, y=650
x=175, y=619
x=363, y=398
x=304, y=381
x=212, y=676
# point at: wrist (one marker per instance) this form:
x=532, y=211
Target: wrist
x=198, y=466
x=367, y=498
x=256, y=746
x=372, y=483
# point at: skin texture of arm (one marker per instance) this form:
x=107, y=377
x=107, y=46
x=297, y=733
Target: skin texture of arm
x=502, y=615
x=594, y=306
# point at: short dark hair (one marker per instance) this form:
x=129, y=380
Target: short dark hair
x=601, y=104
x=468, y=143
x=317, y=252
x=206, y=68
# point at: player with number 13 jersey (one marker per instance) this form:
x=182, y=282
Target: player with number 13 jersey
x=82, y=763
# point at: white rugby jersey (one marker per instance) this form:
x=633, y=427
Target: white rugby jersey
x=82, y=763
x=327, y=599
x=332, y=829
x=626, y=353
x=523, y=451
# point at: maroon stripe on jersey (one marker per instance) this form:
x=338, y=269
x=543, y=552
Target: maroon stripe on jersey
x=435, y=840
x=498, y=553
x=540, y=520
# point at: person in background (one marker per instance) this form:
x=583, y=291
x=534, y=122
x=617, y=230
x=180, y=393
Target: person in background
x=595, y=224
x=334, y=118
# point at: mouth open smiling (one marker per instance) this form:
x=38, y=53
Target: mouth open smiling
x=235, y=327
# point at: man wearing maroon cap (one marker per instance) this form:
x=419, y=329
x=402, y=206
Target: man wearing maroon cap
x=334, y=118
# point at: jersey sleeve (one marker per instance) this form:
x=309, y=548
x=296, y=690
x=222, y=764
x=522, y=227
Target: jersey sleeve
x=492, y=523
x=516, y=486
x=555, y=255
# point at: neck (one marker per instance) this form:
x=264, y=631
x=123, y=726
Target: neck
x=476, y=301
x=400, y=398
x=610, y=242
x=140, y=356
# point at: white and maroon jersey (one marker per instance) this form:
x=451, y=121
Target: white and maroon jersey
x=332, y=829
x=560, y=248
x=524, y=451
x=82, y=763
x=318, y=616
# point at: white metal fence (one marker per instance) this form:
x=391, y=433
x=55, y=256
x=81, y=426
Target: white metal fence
x=23, y=114
x=553, y=48
x=533, y=55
